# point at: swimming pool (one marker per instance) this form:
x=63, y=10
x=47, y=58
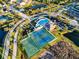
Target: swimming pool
x=42, y=22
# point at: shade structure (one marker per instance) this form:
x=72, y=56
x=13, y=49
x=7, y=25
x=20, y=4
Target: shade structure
x=36, y=41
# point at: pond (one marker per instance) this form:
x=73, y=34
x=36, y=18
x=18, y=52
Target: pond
x=73, y=36
x=2, y=36
x=3, y=17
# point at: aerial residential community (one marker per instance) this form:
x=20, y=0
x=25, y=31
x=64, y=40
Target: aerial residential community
x=39, y=29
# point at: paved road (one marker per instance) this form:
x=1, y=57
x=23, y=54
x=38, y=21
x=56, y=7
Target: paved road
x=15, y=45
x=7, y=39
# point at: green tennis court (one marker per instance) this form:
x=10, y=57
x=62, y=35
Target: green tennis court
x=36, y=41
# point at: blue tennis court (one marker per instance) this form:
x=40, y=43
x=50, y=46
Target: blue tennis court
x=36, y=41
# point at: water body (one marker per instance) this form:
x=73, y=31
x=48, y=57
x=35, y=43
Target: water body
x=2, y=36
x=3, y=17
x=73, y=36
